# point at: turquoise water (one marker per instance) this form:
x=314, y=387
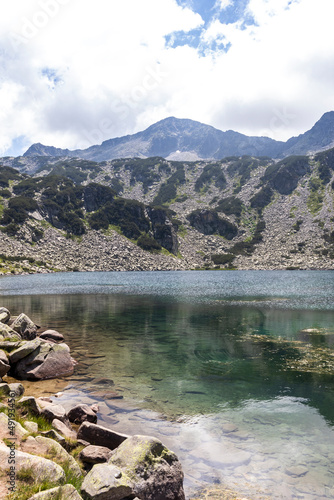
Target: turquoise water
x=233, y=370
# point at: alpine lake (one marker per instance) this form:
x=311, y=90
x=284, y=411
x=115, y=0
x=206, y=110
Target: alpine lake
x=232, y=370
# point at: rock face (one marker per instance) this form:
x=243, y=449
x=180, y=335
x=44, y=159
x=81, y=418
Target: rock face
x=141, y=466
x=45, y=362
x=208, y=222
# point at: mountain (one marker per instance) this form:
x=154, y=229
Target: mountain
x=156, y=214
x=183, y=139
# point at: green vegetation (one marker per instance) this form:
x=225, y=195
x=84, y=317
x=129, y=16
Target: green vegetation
x=231, y=206
x=297, y=225
x=262, y=198
x=8, y=174
x=143, y=170
x=247, y=247
x=211, y=173
x=148, y=243
x=222, y=259
x=316, y=196
x=168, y=190
x=284, y=175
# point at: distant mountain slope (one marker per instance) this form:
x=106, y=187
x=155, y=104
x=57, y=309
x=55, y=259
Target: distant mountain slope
x=182, y=139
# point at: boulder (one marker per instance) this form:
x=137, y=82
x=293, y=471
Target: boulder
x=95, y=454
x=30, y=426
x=4, y=315
x=52, y=434
x=4, y=389
x=45, y=362
x=81, y=413
x=100, y=436
x=24, y=350
x=8, y=333
x=52, y=335
x=59, y=453
x=52, y=411
x=66, y=492
x=17, y=388
x=4, y=363
x=155, y=472
x=30, y=404
x=64, y=429
x=24, y=326
x=106, y=482
x=9, y=428
x=42, y=468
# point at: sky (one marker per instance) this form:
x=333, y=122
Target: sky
x=74, y=73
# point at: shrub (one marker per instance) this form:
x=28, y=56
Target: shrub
x=262, y=198
x=224, y=258
x=230, y=206
x=146, y=242
x=211, y=173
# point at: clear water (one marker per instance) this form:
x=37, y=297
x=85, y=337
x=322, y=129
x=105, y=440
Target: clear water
x=218, y=365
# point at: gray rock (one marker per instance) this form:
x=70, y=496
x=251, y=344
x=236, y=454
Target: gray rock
x=66, y=492
x=4, y=315
x=64, y=429
x=155, y=472
x=24, y=326
x=52, y=411
x=100, y=436
x=24, y=350
x=30, y=426
x=30, y=403
x=106, y=482
x=52, y=434
x=43, y=469
x=7, y=332
x=82, y=413
x=296, y=471
x=95, y=454
x=4, y=389
x=46, y=362
x=53, y=447
x=52, y=335
x=17, y=388
x=4, y=363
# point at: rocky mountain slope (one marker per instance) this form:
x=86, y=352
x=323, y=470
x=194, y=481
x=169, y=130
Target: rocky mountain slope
x=143, y=214
x=178, y=139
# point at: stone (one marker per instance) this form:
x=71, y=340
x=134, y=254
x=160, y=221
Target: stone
x=8, y=333
x=81, y=413
x=64, y=429
x=24, y=326
x=52, y=335
x=4, y=315
x=4, y=363
x=17, y=388
x=29, y=403
x=95, y=454
x=24, y=350
x=106, y=482
x=296, y=471
x=155, y=471
x=61, y=454
x=46, y=362
x=30, y=426
x=66, y=492
x=8, y=426
x=52, y=434
x=100, y=436
x=4, y=389
x=43, y=469
x=52, y=411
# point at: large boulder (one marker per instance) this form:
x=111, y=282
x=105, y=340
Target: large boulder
x=7, y=332
x=66, y=492
x=45, y=362
x=100, y=436
x=95, y=454
x=26, y=347
x=106, y=482
x=42, y=469
x=4, y=363
x=25, y=327
x=155, y=472
x=141, y=466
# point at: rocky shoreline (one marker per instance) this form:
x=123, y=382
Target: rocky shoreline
x=47, y=452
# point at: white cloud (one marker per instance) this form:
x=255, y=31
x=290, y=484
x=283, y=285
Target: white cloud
x=74, y=72
x=223, y=4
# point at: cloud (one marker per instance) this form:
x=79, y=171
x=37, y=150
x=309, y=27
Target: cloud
x=75, y=73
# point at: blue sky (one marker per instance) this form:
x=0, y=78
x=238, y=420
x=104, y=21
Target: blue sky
x=75, y=72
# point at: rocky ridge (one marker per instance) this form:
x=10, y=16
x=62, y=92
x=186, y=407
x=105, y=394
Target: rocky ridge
x=264, y=215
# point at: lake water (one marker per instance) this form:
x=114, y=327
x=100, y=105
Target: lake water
x=234, y=371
